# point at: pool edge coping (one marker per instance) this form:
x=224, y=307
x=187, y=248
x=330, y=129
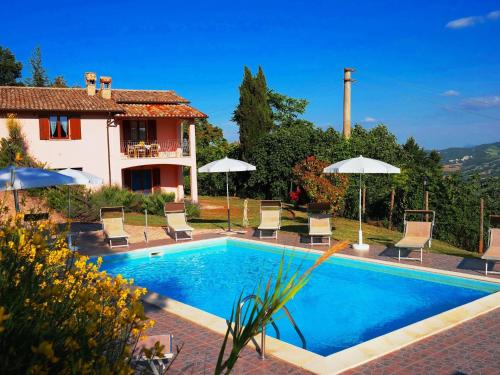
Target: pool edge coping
x=351, y=357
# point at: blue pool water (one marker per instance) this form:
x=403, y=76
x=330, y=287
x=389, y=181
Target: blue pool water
x=345, y=303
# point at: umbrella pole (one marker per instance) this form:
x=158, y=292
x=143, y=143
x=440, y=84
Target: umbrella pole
x=228, y=208
x=360, y=245
x=69, y=203
x=14, y=191
x=16, y=200
x=360, y=233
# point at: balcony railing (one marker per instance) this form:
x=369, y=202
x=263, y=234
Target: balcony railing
x=170, y=148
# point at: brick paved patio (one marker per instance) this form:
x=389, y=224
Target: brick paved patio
x=472, y=347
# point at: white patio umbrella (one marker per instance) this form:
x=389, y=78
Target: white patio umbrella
x=80, y=178
x=14, y=178
x=361, y=166
x=227, y=165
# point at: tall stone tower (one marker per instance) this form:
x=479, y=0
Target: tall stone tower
x=347, y=102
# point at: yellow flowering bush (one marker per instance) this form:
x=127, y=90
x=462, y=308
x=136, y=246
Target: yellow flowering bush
x=58, y=312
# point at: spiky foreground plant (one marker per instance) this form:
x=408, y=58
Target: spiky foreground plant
x=246, y=323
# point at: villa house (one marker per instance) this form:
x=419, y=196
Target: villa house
x=137, y=139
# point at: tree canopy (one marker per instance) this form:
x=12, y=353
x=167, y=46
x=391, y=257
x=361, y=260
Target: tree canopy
x=11, y=71
x=285, y=109
x=10, y=68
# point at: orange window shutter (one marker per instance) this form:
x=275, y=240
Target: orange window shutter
x=44, y=128
x=75, y=128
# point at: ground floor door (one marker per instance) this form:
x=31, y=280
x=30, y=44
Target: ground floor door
x=144, y=180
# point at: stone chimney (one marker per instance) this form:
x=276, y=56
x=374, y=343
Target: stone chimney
x=347, y=102
x=105, y=88
x=90, y=83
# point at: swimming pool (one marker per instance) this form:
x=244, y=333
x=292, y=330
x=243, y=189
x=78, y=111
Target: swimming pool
x=347, y=301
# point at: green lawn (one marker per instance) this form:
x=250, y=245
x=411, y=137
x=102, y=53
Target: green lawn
x=214, y=216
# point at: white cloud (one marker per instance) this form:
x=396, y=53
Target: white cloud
x=450, y=93
x=482, y=102
x=369, y=119
x=464, y=22
x=495, y=15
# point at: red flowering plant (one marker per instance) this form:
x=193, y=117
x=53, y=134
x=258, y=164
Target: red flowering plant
x=320, y=187
x=295, y=196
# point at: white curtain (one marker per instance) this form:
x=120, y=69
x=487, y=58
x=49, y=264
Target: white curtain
x=53, y=126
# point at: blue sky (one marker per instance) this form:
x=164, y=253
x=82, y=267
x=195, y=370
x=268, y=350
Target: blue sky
x=426, y=69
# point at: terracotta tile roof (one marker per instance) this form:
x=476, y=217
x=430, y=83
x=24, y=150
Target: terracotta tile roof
x=126, y=103
x=53, y=99
x=160, y=110
x=147, y=96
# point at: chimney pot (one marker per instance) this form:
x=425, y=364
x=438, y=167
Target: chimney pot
x=105, y=89
x=90, y=79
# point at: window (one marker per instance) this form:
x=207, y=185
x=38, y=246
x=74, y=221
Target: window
x=58, y=126
x=139, y=130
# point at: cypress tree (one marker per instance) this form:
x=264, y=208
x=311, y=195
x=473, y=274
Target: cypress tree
x=253, y=114
x=39, y=76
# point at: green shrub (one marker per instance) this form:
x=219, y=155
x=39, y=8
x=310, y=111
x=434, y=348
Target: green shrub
x=57, y=199
x=85, y=204
x=154, y=203
x=192, y=210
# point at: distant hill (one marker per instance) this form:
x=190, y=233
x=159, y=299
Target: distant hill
x=482, y=159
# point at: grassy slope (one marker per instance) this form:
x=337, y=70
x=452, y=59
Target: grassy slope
x=214, y=216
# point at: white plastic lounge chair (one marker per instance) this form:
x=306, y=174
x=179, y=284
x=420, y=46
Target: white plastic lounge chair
x=112, y=219
x=158, y=360
x=175, y=213
x=270, y=218
x=492, y=254
x=320, y=224
x=417, y=234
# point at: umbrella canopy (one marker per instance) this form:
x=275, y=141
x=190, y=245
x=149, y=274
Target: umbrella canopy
x=12, y=178
x=81, y=178
x=361, y=166
x=227, y=165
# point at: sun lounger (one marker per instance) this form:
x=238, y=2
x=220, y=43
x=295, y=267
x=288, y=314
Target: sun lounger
x=36, y=216
x=492, y=254
x=320, y=224
x=158, y=358
x=417, y=234
x=270, y=218
x=175, y=213
x=112, y=219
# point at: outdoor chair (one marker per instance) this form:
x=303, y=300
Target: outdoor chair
x=154, y=150
x=492, y=254
x=158, y=359
x=34, y=217
x=417, y=234
x=319, y=218
x=175, y=213
x=140, y=150
x=131, y=151
x=112, y=219
x=270, y=218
